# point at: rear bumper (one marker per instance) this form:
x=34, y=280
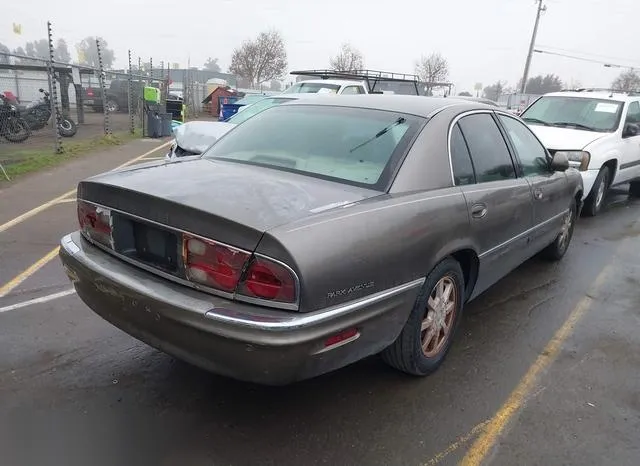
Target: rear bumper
x=241, y=341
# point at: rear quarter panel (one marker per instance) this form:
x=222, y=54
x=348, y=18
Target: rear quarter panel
x=371, y=246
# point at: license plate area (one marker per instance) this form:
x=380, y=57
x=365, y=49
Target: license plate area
x=147, y=243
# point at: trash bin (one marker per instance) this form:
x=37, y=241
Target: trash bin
x=154, y=125
x=165, y=124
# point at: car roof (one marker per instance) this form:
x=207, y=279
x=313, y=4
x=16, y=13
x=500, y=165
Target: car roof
x=411, y=104
x=474, y=99
x=621, y=96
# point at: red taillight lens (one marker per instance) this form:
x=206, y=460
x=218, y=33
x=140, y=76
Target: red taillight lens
x=90, y=92
x=95, y=223
x=213, y=264
x=270, y=280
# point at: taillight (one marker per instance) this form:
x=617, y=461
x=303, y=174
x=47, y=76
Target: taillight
x=213, y=264
x=90, y=92
x=95, y=223
x=266, y=279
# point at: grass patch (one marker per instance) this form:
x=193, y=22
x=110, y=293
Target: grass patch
x=22, y=162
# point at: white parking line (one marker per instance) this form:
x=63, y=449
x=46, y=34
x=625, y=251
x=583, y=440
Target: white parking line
x=42, y=299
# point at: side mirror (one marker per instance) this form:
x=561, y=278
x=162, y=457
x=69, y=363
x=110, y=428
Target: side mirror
x=41, y=90
x=630, y=130
x=559, y=163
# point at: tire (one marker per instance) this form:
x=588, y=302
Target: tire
x=406, y=354
x=595, y=199
x=556, y=250
x=634, y=189
x=16, y=130
x=112, y=106
x=67, y=127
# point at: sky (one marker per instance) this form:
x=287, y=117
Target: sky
x=483, y=41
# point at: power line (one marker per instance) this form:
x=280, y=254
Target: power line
x=607, y=57
x=607, y=64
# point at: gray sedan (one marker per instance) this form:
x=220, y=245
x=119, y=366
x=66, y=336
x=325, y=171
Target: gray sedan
x=321, y=232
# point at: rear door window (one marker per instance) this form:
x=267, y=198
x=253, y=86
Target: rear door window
x=488, y=149
x=461, y=159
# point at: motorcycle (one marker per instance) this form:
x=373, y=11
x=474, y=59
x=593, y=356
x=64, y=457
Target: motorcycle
x=37, y=116
x=12, y=127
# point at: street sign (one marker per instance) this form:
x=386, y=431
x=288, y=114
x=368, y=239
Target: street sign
x=477, y=87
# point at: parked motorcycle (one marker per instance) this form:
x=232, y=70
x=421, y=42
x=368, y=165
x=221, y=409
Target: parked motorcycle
x=37, y=116
x=12, y=127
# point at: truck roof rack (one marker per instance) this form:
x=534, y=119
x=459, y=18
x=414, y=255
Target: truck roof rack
x=604, y=89
x=373, y=78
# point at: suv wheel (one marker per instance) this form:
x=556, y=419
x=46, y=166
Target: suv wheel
x=595, y=199
x=634, y=188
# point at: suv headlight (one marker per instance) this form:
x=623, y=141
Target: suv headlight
x=577, y=158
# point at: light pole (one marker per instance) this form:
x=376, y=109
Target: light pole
x=541, y=8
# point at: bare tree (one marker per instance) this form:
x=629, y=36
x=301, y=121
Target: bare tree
x=627, y=81
x=432, y=69
x=261, y=59
x=38, y=49
x=88, y=52
x=61, y=52
x=494, y=91
x=348, y=59
x=4, y=54
x=212, y=65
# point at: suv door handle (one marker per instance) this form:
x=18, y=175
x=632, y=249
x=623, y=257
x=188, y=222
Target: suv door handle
x=537, y=194
x=478, y=210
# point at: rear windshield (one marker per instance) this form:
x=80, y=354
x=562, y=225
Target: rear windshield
x=249, y=110
x=355, y=146
x=312, y=88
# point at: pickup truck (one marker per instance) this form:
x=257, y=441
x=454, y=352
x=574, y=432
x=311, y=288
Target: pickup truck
x=355, y=82
x=117, y=95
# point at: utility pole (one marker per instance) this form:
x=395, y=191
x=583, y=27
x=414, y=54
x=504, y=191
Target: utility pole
x=541, y=8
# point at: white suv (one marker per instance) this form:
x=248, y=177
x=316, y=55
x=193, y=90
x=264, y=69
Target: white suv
x=599, y=131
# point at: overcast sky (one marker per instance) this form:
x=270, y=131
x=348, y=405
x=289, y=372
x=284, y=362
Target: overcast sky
x=484, y=41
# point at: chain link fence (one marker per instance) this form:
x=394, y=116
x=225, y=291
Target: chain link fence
x=50, y=109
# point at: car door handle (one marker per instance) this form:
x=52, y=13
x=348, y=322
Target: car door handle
x=537, y=194
x=478, y=210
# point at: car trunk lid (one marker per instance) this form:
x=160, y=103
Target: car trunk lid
x=229, y=202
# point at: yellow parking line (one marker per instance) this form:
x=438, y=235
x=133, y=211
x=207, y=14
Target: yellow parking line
x=14, y=282
x=496, y=425
x=34, y=211
x=460, y=441
x=21, y=218
x=134, y=160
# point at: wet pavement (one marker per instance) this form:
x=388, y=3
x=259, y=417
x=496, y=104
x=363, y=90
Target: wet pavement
x=76, y=391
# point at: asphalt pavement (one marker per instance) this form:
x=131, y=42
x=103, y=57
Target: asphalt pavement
x=544, y=370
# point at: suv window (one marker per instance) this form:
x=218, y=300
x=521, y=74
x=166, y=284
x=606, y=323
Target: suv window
x=532, y=154
x=489, y=153
x=633, y=113
x=460, y=159
x=353, y=90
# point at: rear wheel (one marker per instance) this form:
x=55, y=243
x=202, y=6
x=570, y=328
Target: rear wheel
x=427, y=335
x=556, y=250
x=634, y=188
x=67, y=127
x=593, y=203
